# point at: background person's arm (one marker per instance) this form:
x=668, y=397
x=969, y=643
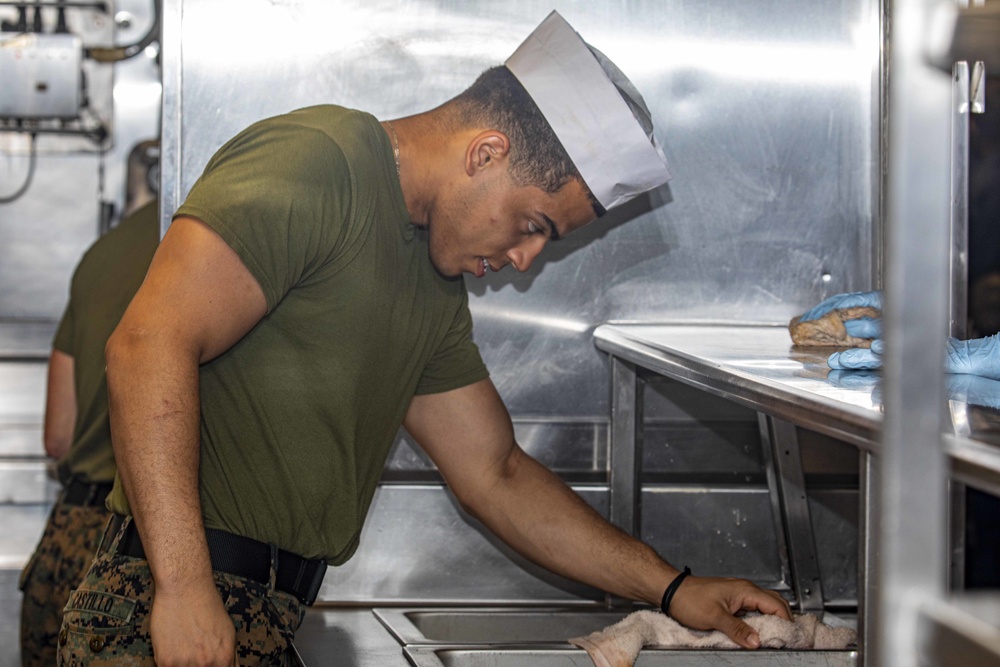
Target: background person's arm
x=198, y=299
x=60, y=405
x=469, y=435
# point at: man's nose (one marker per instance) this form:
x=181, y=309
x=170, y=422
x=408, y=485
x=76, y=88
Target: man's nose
x=524, y=253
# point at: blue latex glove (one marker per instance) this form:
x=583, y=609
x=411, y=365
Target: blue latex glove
x=864, y=327
x=871, y=299
x=979, y=356
x=858, y=358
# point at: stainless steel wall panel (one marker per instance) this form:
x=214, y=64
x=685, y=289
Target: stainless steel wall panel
x=417, y=546
x=564, y=446
x=834, y=514
x=22, y=392
x=717, y=531
x=26, y=482
x=21, y=440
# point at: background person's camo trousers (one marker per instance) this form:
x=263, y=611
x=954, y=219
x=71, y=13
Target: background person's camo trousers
x=106, y=621
x=61, y=558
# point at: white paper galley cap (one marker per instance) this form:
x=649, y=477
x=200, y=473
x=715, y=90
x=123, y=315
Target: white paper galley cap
x=582, y=95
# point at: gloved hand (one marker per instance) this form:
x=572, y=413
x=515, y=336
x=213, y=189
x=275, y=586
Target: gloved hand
x=862, y=327
x=979, y=356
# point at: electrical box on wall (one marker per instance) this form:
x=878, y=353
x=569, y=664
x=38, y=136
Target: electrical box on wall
x=42, y=76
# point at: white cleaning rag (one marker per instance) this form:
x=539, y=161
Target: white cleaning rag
x=618, y=645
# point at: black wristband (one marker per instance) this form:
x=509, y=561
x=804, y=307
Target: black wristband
x=668, y=594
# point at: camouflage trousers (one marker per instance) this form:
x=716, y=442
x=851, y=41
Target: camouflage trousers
x=106, y=621
x=60, y=560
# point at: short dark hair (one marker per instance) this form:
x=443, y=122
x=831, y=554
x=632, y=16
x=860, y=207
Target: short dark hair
x=498, y=100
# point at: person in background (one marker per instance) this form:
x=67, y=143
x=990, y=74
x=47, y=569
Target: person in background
x=307, y=301
x=77, y=432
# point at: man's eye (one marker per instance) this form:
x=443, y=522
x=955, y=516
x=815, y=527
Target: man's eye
x=533, y=228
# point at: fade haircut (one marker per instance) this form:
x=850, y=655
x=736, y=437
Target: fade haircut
x=498, y=100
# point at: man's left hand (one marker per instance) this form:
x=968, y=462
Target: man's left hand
x=709, y=603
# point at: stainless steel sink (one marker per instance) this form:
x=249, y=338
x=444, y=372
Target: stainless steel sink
x=555, y=656
x=485, y=625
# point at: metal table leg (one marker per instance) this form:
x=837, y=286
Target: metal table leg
x=867, y=576
x=786, y=462
x=625, y=457
x=625, y=460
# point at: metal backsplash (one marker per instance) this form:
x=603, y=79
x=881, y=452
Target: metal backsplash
x=768, y=111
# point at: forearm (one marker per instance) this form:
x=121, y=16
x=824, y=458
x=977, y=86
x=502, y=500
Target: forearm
x=538, y=515
x=60, y=405
x=154, y=406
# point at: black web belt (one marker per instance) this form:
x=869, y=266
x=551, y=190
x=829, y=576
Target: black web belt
x=242, y=557
x=85, y=494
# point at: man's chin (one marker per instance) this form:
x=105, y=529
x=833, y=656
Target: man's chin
x=445, y=270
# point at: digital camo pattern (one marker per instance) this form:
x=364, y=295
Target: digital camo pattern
x=61, y=558
x=106, y=621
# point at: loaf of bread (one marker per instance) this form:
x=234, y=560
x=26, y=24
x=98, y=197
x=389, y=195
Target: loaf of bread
x=829, y=331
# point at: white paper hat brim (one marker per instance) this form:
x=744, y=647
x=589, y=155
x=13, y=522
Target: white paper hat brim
x=587, y=113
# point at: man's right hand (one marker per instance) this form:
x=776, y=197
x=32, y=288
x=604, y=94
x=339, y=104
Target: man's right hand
x=192, y=628
x=710, y=603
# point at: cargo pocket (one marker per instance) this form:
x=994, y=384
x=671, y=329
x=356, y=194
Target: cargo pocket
x=99, y=626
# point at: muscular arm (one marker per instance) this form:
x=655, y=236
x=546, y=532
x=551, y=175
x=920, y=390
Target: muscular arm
x=60, y=405
x=197, y=300
x=468, y=434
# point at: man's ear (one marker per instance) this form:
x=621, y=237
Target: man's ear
x=487, y=148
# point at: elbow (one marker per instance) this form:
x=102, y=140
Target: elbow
x=56, y=445
x=116, y=349
x=125, y=349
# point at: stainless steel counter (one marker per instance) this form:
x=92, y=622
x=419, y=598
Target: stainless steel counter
x=755, y=366
x=758, y=367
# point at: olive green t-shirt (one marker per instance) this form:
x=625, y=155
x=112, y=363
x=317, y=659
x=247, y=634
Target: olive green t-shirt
x=298, y=417
x=105, y=280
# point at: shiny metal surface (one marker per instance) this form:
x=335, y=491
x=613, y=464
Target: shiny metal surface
x=911, y=541
x=756, y=366
x=958, y=261
x=783, y=443
x=485, y=625
x=965, y=630
x=626, y=447
x=974, y=463
x=554, y=656
x=346, y=637
x=768, y=111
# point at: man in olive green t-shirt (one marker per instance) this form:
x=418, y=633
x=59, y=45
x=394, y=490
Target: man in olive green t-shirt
x=77, y=430
x=307, y=301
